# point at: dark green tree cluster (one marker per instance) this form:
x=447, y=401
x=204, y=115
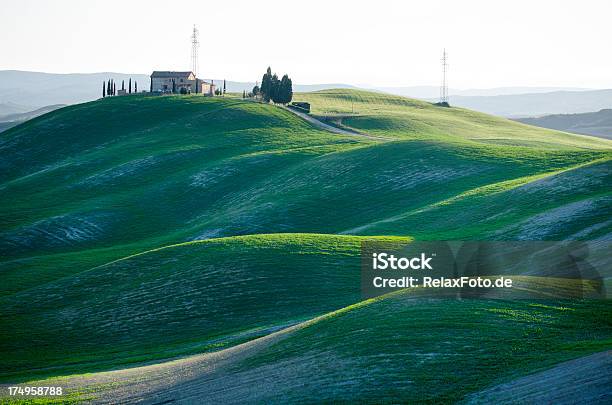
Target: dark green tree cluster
x=279, y=91
x=256, y=91
x=285, y=93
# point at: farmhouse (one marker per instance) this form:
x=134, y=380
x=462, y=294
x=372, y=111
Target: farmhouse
x=179, y=82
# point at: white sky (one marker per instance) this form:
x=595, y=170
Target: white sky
x=386, y=43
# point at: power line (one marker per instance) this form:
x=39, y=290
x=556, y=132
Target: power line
x=444, y=86
x=195, y=44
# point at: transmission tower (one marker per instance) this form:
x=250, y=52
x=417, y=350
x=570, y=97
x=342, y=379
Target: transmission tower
x=444, y=86
x=195, y=44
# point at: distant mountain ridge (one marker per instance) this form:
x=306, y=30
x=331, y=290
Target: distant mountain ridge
x=10, y=120
x=433, y=92
x=535, y=104
x=42, y=89
x=7, y=108
x=22, y=116
x=593, y=123
x=37, y=89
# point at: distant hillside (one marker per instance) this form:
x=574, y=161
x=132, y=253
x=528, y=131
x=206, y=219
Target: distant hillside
x=432, y=92
x=11, y=120
x=594, y=123
x=534, y=104
x=22, y=91
x=42, y=89
x=7, y=108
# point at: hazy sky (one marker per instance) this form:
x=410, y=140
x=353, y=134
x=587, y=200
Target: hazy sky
x=490, y=43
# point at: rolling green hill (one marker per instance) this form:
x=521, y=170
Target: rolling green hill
x=400, y=117
x=186, y=298
x=144, y=228
x=102, y=180
x=402, y=347
x=410, y=350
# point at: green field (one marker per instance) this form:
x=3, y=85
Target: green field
x=403, y=118
x=146, y=228
x=407, y=350
x=181, y=299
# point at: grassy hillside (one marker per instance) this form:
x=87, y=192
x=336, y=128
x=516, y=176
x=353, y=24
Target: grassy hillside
x=568, y=204
x=400, y=347
x=262, y=216
x=396, y=116
x=411, y=350
x=98, y=181
x=106, y=179
x=181, y=299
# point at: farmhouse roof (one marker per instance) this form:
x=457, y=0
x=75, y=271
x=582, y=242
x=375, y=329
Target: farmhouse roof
x=166, y=74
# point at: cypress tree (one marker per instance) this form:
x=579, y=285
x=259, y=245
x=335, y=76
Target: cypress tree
x=266, y=85
x=224, y=87
x=281, y=90
x=285, y=90
x=135, y=86
x=103, y=89
x=114, y=88
x=173, y=86
x=108, y=87
x=130, y=86
x=274, y=89
x=122, y=84
x=289, y=90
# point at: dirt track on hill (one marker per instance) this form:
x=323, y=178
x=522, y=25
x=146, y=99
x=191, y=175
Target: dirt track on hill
x=331, y=128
